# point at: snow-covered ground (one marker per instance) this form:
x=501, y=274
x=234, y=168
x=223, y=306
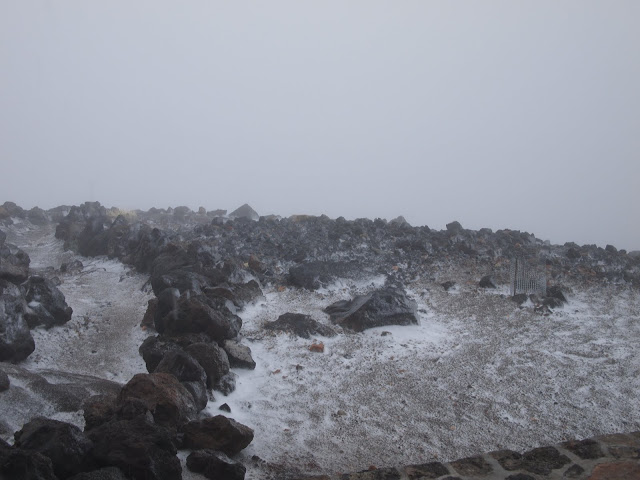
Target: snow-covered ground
x=478, y=373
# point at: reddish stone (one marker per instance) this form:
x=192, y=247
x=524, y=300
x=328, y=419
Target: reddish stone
x=616, y=471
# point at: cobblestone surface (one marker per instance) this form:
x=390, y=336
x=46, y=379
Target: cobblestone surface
x=606, y=457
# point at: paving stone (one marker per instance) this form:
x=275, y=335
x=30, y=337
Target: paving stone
x=379, y=474
x=543, y=460
x=426, y=471
x=620, y=439
x=616, y=471
x=508, y=459
x=520, y=476
x=624, y=451
x=472, y=466
x=574, y=471
x=585, y=449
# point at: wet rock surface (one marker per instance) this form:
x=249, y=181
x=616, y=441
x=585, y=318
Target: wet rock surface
x=301, y=325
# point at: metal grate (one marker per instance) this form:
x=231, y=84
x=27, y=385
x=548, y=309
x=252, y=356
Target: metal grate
x=528, y=276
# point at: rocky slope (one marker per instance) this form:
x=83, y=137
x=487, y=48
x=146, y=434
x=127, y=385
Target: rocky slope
x=468, y=368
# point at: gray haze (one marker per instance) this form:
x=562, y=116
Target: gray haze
x=500, y=114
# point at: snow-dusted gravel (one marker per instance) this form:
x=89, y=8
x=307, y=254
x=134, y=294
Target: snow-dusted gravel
x=477, y=374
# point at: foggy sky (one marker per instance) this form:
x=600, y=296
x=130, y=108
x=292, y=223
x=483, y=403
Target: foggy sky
x=500, y=114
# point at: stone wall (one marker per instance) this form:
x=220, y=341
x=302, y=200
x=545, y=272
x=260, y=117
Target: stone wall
x=606, y=457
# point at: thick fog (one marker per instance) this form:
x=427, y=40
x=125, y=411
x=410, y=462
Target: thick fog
x=500, y=114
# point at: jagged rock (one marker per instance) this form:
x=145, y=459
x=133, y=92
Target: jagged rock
x=3, y=237
x=215, y=465
x=212, y=358
x=400, y=221
x=312, y=275
x=217, y=433
x=226, y=384
x=239, y=355
x=245, y=211
x=198, y=314
x=189, y=372
x=73, y=266
x=64, y=444
x=16, y=342
x=166, y=398
x=81, y=226
x=153, y=350
x=10, y=209
x=37, y=216
x=46, y=304
x=19, y=464
x=301, y=325
x=14, y=263
x=142, y=449
x=454, y=227
x=448, y=285
x=149, y=314
x=520, y=298
x=487, y=282
x=98, y=409
x=387, y=306
x=239, y=294
x=107, y=473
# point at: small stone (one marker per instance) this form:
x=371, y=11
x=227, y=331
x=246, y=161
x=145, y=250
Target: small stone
x=385, y=334
x=543, y=460
x=508, y=459
x=317, y=347
x=520, y=476
x=225, y=408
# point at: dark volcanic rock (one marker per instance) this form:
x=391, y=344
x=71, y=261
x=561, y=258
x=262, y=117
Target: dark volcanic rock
x=217, y=433
x=141, y=449
x=19, y=464
x=239, y=355
x=16, y=342
x=74, y=266
x=46, y=304
x=189, y=372
x=3, y=237
x=98, y=409
x=226, y=384
x=107, y=473
x=153, y=350
x=212, y=358
x=387, y=306
x=448, y=285
x=301, y=325
x=215, y=465
x=166, y=398
x=543, y=460
x=487, y=282
x=245, y=211
x=14, y=263
x=198, y=314
x=313, y=275
x=64, y=444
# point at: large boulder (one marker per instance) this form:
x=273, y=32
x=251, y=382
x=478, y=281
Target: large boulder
x=46, y=303
x=16, y=342
x=98, y=409
x=301, y=325
x=189, y=372
x=66, y=445
x=386, y=306
x=217, y=433
x=164, y=396
x=19, y=464
x=245, y=211
x=14, y=263
x=153, y=350
x=215, y=465
x=212, y=358
x=198, y=314
x=140, y=448
x=106, y=473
